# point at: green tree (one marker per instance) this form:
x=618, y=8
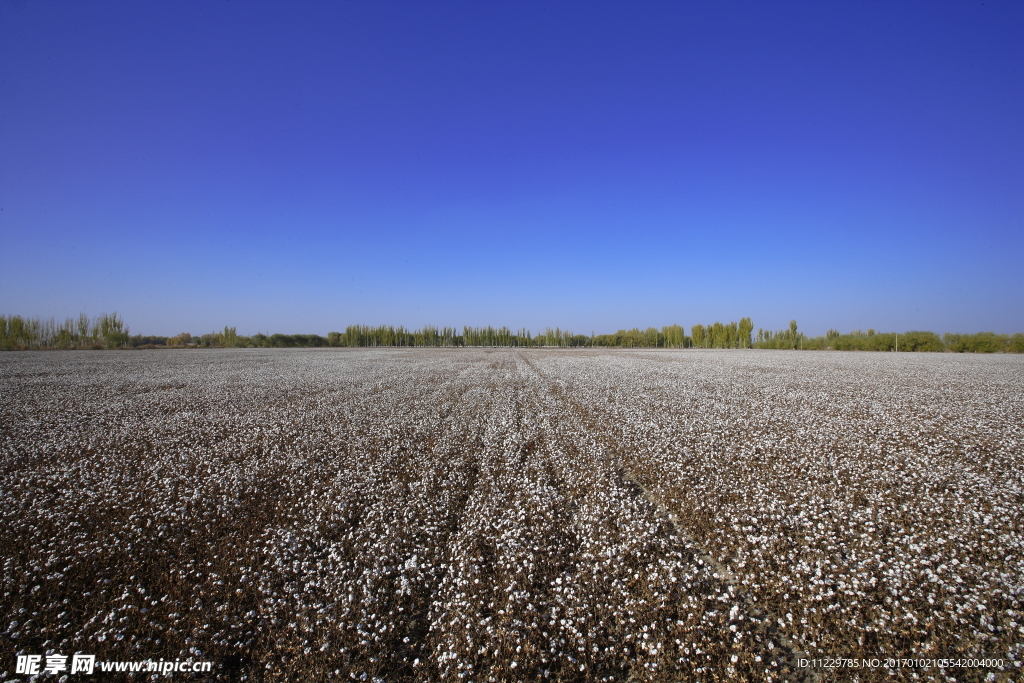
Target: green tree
x=746, y=330
x=698, y=335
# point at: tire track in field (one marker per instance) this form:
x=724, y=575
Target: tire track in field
x=768, y=619
x=385, y=533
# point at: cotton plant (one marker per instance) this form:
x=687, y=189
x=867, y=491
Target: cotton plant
x=481, y=515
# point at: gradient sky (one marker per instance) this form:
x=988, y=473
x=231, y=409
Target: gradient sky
x=298, y=167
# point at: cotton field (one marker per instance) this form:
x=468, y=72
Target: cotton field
x=504, y=515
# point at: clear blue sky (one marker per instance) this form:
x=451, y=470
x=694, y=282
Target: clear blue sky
x=297, y=167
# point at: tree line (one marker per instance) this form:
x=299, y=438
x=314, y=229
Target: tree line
x=102, y=332
x=915, y=340
x=110, y=332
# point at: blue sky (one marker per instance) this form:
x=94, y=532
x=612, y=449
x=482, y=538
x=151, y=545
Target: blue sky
x=298, y=167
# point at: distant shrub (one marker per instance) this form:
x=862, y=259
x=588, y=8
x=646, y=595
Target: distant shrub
x=183, y=339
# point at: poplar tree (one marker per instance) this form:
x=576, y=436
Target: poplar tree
x=746, y=328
